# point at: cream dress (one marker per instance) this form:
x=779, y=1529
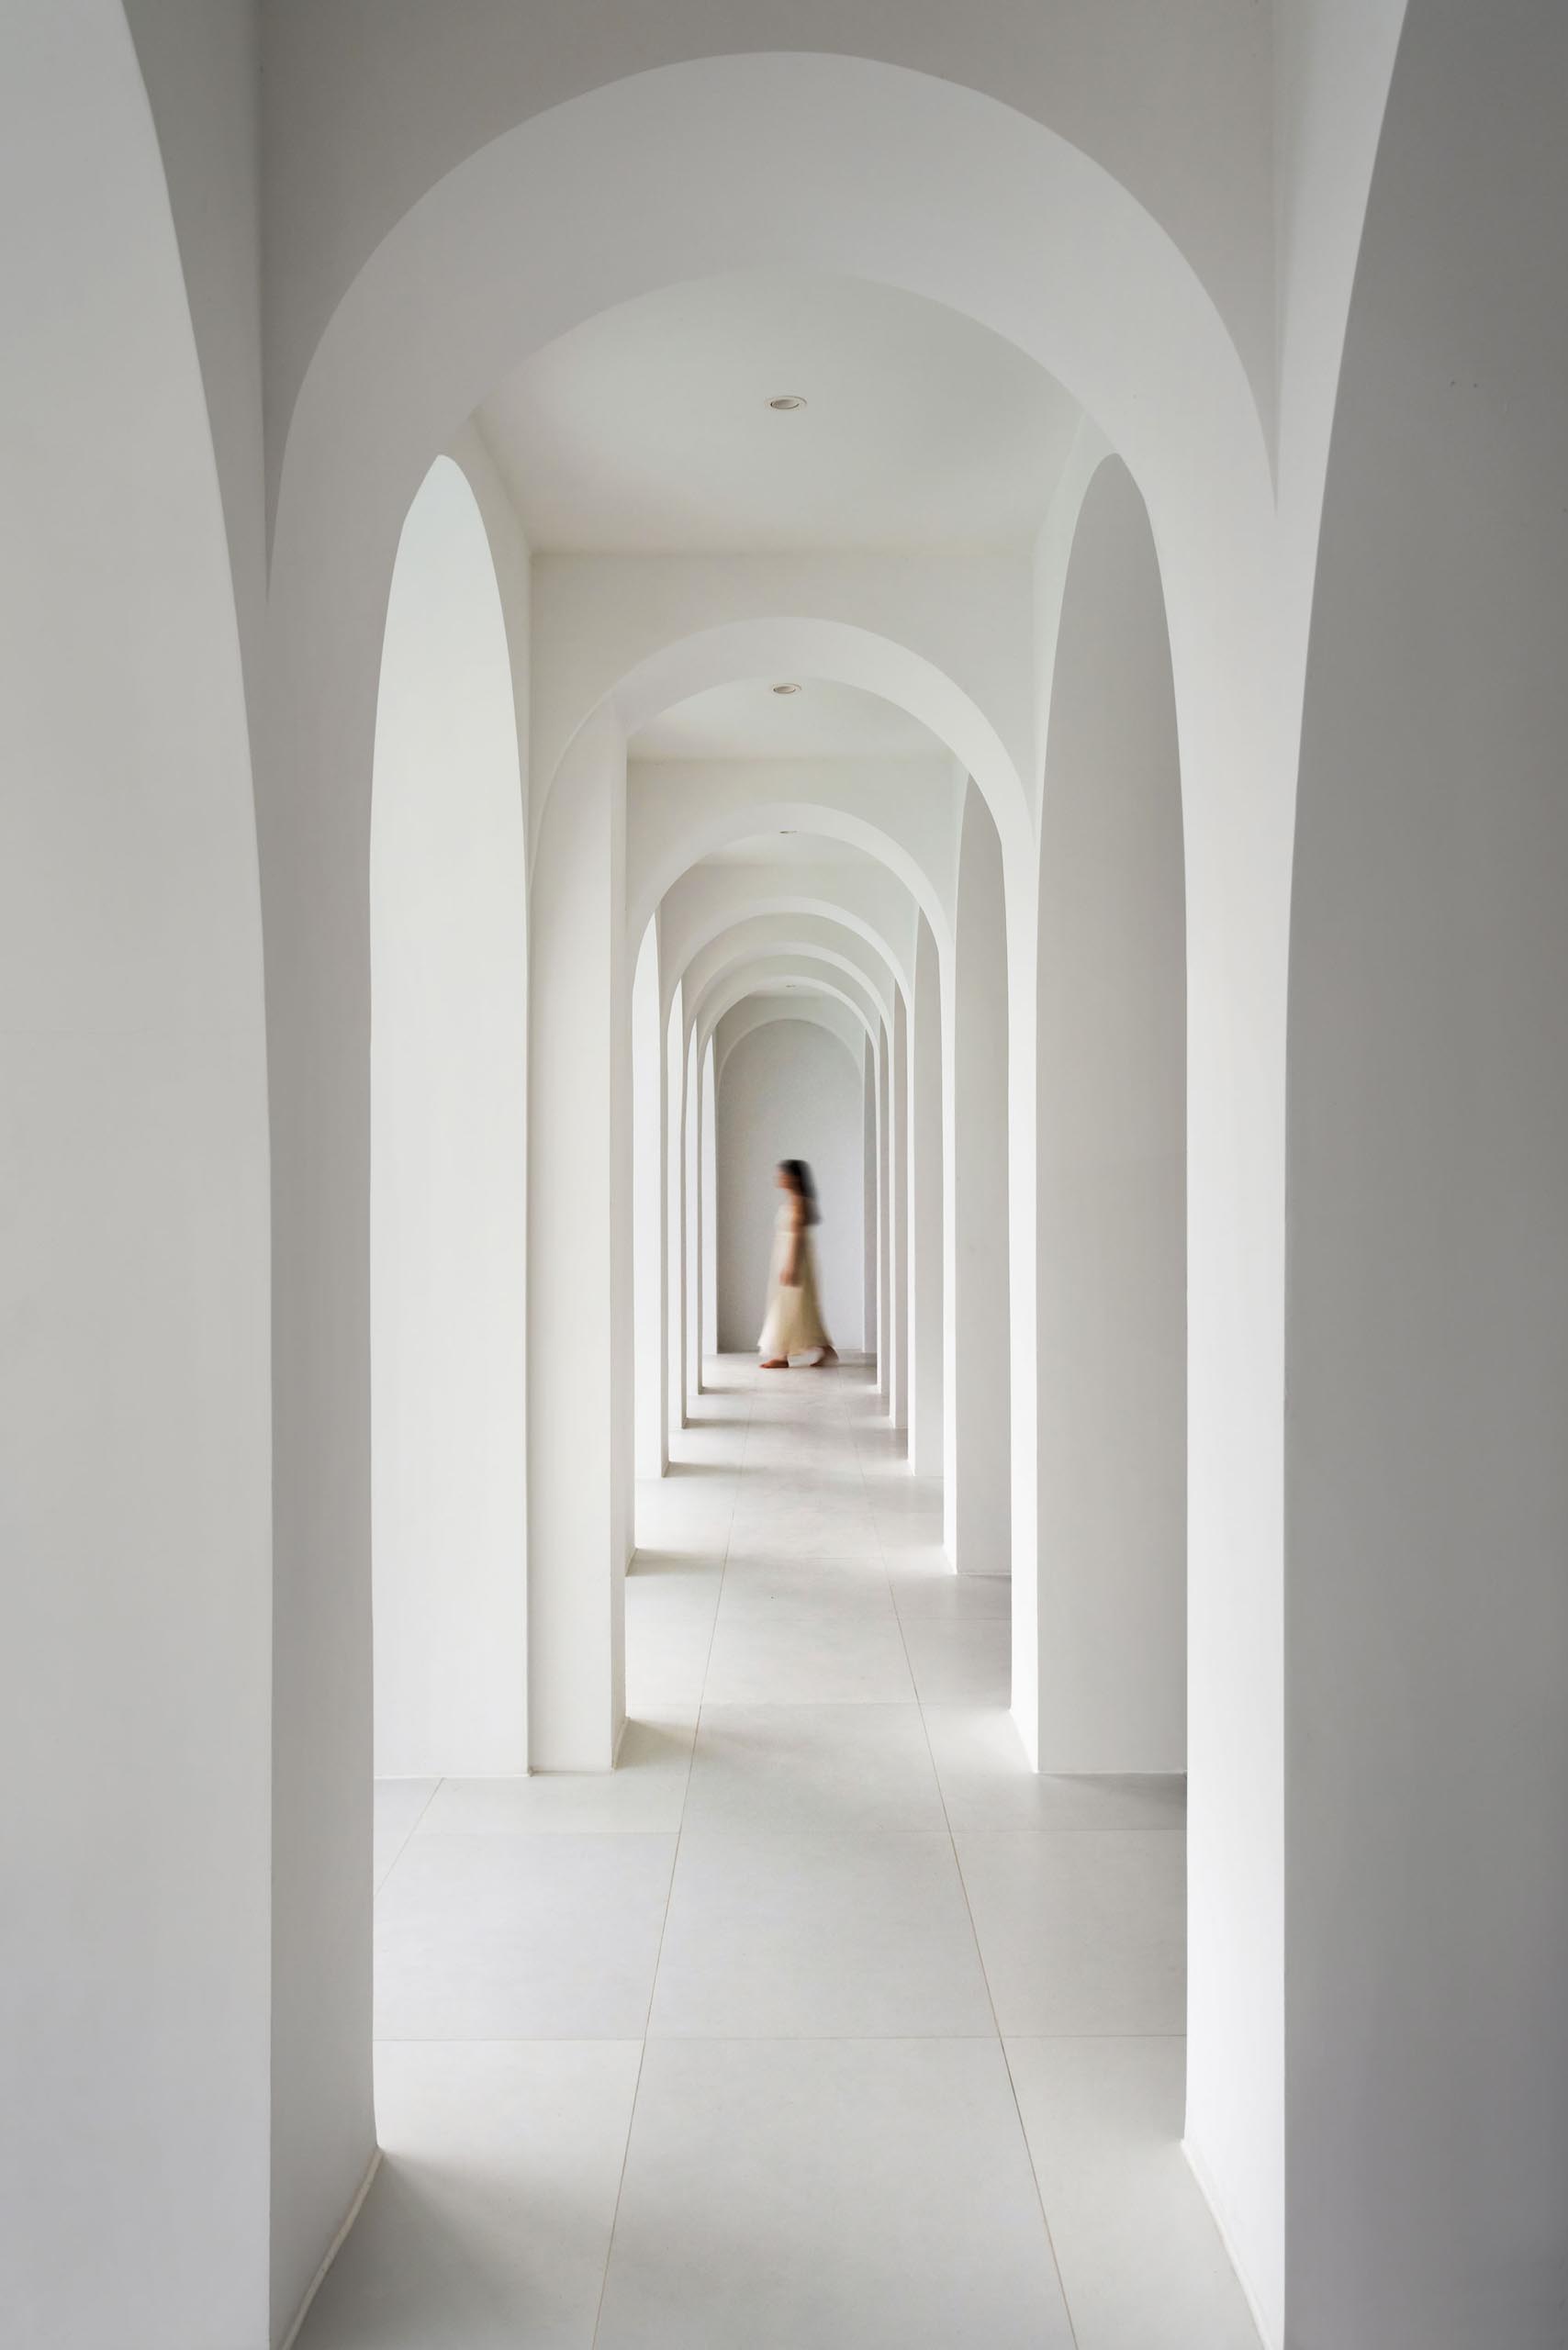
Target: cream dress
x=794, y=1320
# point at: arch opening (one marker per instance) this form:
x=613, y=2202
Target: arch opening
x=447, y=1162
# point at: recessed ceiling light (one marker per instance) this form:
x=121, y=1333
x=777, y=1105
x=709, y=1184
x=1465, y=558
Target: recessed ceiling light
x=787, y=401
x=786, y=689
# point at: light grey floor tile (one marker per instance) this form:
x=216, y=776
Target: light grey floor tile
x=829, y=2195
x=905, y=1495
x=672, y=1582
x=666, y=1663
x=965, y=1662
x=915, y=1530
x=1081, y=1933
x=833, y=1531
x=809, y=1656
x=791, y=1593
x=948, y=1598
x=675, y=1604
x=645, y=1793
x=701, y=1532
x=987, y=1781
x=826, y=2151
x=488, y=2222
x=858, y=1586
x=384, y=1852
x=520, y=1937
x=399, y=1802
x=841, y=1935
x=771, y=1767
x=1140, y=2257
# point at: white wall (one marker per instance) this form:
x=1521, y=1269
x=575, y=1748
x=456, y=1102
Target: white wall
x=1427, y=1649
x=580, y=1295
x=691, y=1261
x=897, y=1210
x=1112, y=1192
x=868, y=1198
x=787, y=1091
x=708, y=1145
x=927, y=1342
x=449, y=983
x=649, y=1235
x=976, y=1463
x=135, y=1665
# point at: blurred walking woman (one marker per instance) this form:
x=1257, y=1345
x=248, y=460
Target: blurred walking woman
x=794, y=1323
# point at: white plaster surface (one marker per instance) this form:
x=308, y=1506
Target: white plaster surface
x=1112, y=1190
x=449, y=977
x=1427, y=1622
x=134, y=1505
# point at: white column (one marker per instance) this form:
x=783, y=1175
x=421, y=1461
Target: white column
x=884, y=1210
x=648, y=1221
x=579, y=1269
x=1427, y=1475
x=448, y=1151
x=927, y=1342
x=976, y=1497
x=868, y=1203
x=898, y=1209
x=1111, y=1184
x=690, y=1255
x=674, y=1273
x=709, y=1210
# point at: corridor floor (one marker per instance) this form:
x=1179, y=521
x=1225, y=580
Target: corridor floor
x=821, y=2024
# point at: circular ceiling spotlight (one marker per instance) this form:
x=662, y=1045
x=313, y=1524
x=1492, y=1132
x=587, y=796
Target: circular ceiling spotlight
x=786, y=689
x=786, y=402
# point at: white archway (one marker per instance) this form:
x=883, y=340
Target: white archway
x=787, y=1089
x=778, y=971
x=708, y=900
x=449, y=1169
x=1111, y=1159
x=820, y=936
x=1055, y=229
x=789, y=957
x=757, y=1011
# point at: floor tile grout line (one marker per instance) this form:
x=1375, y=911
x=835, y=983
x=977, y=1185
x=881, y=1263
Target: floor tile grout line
x=664, y=1923
x=1039, y=2191
x=985, y=1974
x=407, y=1838
x=619, y=2185
x=995, y=2034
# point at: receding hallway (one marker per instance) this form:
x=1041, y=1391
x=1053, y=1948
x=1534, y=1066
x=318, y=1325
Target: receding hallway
x=622, y=623
x=785, y=2031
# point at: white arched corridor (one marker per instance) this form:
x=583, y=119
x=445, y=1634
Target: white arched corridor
x=599, y=601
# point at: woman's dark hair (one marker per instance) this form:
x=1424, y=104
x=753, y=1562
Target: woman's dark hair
x=800, y=1184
